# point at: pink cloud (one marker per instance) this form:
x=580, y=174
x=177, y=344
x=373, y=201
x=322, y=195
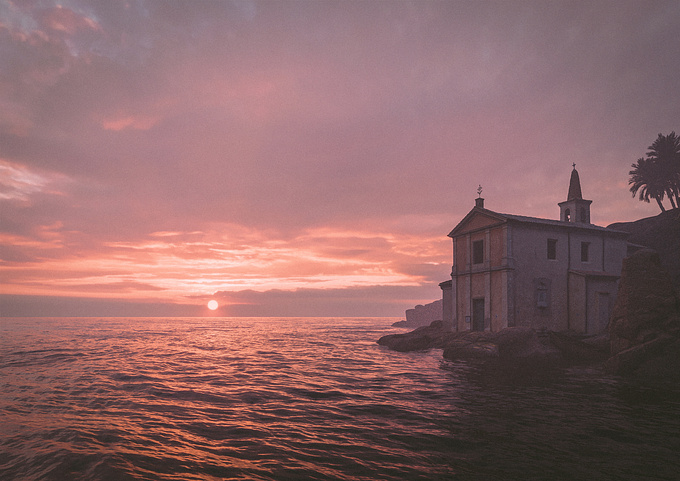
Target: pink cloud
x=65, y=20
x=19, y=183
x=179, y=266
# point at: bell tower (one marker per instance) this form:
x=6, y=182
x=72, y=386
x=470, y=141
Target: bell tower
x=575, y=209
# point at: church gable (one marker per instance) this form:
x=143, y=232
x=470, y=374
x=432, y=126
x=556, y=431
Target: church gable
x=475, y=220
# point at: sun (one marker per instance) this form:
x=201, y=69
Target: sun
x=212, y=305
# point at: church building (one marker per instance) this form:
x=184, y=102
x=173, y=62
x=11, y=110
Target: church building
x=511, y=270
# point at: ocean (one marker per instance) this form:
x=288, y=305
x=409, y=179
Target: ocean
x=307, y=398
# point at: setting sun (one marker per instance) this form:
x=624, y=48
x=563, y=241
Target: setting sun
x=212, y=305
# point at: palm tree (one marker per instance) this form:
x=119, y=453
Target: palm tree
x=666, y=152
x=658, y=175
x=647, y=178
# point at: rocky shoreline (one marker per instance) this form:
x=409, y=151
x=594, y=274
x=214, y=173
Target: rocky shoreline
x=642, y=339
x=511, y=344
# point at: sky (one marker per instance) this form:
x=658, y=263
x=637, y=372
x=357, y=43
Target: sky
x=305, y=158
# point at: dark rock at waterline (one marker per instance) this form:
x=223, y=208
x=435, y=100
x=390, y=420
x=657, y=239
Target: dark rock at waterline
x=516, y=343
x=426, y=337
x=579, y=349
x=512, y=344
x=645, y=324
x=659, y=357
x=466, y=348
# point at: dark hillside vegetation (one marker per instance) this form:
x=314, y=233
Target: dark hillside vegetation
x=661, y=233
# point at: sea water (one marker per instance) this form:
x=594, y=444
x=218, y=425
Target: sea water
x=307, y=398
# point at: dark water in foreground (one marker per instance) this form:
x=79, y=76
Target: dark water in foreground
x=275, y=399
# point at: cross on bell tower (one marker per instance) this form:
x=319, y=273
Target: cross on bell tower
x=479, y=201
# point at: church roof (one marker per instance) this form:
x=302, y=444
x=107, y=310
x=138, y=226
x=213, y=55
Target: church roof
x=557, y=223
x=574, y=186
x=499, y=218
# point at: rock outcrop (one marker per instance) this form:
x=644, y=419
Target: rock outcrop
x=579, y=349
x=514, y=343
x=426, y=337
x=645, y=324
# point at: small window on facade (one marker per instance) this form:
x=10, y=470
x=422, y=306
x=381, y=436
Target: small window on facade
x=552, y=248
x=478, y=252
x=567, y=215
x=583, y=215
x=542, y=286
x=584, y=251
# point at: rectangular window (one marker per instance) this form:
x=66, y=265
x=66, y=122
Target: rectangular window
x=552, y=248
x=478, y=252
x=584, y=251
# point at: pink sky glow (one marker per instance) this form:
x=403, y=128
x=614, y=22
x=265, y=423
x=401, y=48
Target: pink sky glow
x=304, y=158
